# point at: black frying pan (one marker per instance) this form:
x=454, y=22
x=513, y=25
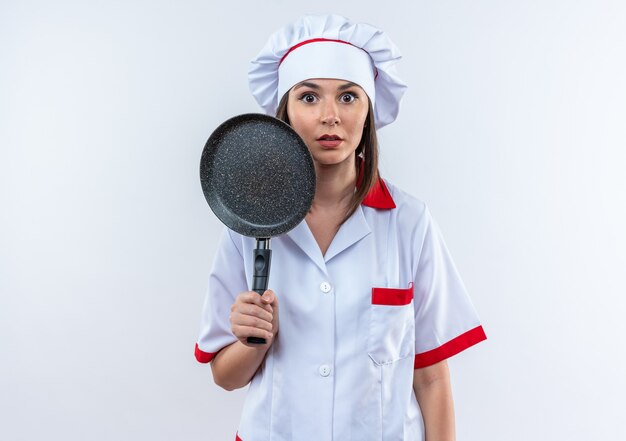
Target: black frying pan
x=258, y=177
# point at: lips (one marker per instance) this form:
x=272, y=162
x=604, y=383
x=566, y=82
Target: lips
x=329, y=141
x=329, y=138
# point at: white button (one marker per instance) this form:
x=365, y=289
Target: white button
x=324, y=370
x=325, y=287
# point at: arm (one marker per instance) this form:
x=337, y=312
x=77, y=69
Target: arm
x=434, y=395
x=251, y=315
x=234, y=366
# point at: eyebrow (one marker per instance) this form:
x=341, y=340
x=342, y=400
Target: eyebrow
x=307, y=84
x=315, y=86
x=348, y=85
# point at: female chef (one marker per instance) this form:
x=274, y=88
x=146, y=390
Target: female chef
x=366, y=304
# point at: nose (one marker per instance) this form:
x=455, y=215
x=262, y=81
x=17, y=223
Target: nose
x=330, y=114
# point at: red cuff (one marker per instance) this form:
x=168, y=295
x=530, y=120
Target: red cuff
x=204, y=357
x=453, y=347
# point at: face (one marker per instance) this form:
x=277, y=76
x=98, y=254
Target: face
x=329, y=116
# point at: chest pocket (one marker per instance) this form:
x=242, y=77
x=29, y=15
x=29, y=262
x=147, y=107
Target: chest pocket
x=392, y=324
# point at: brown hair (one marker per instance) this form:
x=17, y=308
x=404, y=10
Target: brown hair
x=366, y=161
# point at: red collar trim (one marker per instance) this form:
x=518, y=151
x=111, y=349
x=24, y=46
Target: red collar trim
x=379, y=197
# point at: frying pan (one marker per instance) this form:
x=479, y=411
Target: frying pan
x=258, y=177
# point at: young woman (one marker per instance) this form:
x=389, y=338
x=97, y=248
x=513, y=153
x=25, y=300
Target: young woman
x=366, y=304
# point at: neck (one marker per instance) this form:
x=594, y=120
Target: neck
x=335, y=185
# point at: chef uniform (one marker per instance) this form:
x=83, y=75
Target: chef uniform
x=355, y=322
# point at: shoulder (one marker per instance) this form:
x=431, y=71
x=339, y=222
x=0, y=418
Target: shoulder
x=231, y=242
x=410, y=211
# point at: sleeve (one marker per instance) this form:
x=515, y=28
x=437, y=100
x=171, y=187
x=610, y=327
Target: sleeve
x=226, y=280
x=446, y=322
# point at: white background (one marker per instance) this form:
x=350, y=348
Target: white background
x=513, y=131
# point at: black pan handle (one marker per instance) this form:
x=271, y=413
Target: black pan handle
x=262, y=258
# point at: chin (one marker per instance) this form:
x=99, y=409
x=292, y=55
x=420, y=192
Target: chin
x=333, y=158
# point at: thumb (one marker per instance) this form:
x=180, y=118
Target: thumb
x=268, y=296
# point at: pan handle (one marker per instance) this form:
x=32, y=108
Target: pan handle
x=262, y=258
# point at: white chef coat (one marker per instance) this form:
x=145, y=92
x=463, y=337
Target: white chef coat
x=384, y=300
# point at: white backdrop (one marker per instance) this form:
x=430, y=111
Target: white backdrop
x=513, y=131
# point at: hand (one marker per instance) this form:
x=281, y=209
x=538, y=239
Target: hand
x=253, y=315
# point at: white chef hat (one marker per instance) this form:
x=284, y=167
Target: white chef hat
x=329, y=46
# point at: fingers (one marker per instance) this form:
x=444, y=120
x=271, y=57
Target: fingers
x=243, y=332
x=252, y=315
x=251, y=321
x=271, y=299
x=250, y=303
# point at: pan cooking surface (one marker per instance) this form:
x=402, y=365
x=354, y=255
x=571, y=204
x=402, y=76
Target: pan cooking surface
x=257, y=175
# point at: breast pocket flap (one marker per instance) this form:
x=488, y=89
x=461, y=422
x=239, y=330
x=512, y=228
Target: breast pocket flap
x=392, y=296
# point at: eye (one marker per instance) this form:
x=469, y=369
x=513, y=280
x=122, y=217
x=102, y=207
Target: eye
x=308, y=98
x=347, y=98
